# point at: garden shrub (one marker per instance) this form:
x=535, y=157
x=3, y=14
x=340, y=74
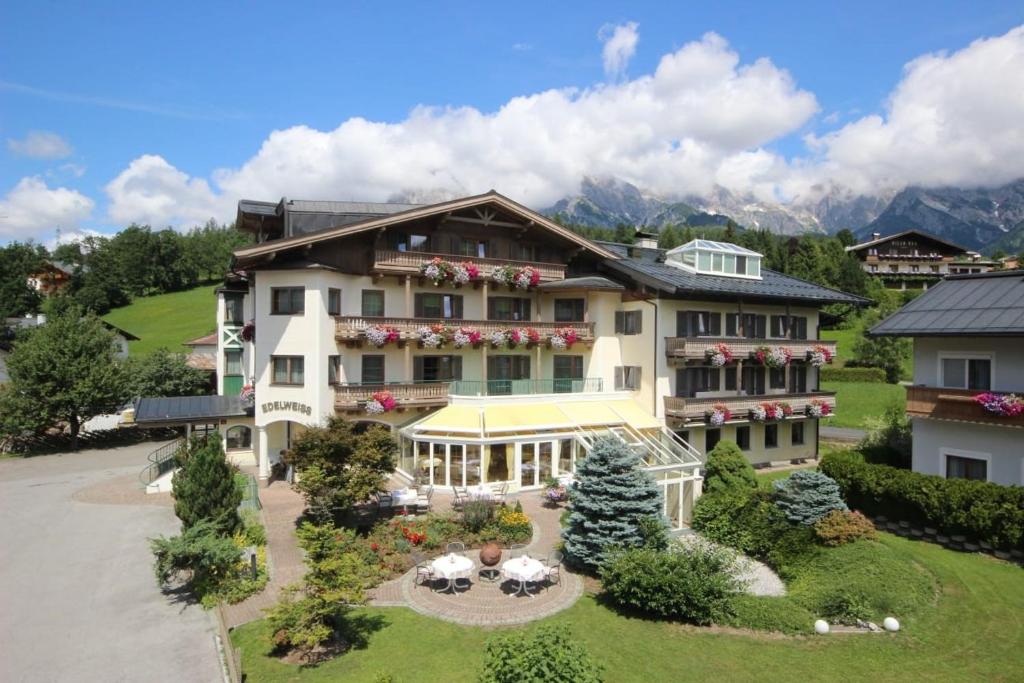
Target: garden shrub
x=654, y=531
x=546, y=654
x=840, y=527
x=980, y=510
x=611, y=496
x=200, y=554
x=888, y=440
x=727, y=469
x=769, y=613
x=205, y=489
x=806, y=496
x=476, y=514
x=513, y=524
x=852, y=374
x=252, y=526
x=695, y=583
x=845, y=607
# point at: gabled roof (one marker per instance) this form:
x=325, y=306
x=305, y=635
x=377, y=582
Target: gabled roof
x=982, y=304
x=772, y=286
x=208, y=340
x=918, y=233
x=425, y=211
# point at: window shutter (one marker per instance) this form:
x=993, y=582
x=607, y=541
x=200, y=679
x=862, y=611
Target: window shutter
x=777, y=327
x=716, y=324
x=456, y=367
x=490, y=310
x=801, y=328
x=634, y=377
x=760, y=327
x=417, y=368
x=620, y=324
x=618, y=378
x=418, y=305
x=731, y=324
x=682, y=324
x=681, y=382
x=714, y=379
x=457, y=306
x=730, y=379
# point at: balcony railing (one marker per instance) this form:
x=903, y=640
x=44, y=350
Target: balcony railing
x=408, y=263
x=352, y=328
x=954, y=404
x=695, y=348
x=350, y=397
x=519, y=387
x=693, y=409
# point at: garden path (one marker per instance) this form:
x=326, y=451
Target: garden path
x=758, y=577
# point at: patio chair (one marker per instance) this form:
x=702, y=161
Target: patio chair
x=424, y=571
x=385, y=502
x=553, y=568
x=423, y=499
x=500, y=495
x=458, y=498
x=456, y=547
x=516, y=550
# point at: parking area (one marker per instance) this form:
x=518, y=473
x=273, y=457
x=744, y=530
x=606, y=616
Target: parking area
x=79, y=601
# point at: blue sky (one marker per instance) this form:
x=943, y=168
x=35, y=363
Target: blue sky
x=201, y=86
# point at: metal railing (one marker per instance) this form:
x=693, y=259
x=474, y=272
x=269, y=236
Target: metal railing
x=519, y=387
x=394, y=261
x=161, y=461
x=696, y=348
x=352, y=327
x=250, y=494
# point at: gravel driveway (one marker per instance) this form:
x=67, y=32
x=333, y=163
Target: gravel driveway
x=79, y=601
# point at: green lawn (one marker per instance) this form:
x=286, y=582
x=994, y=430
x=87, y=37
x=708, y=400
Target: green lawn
x=167, y=320
x=845, y=339
x=972, y=634
x=856, y=401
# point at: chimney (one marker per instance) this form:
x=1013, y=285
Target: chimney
x=875, y=235
x=645, y=240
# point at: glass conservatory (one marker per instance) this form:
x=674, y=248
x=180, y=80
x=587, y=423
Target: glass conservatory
x=716, y=258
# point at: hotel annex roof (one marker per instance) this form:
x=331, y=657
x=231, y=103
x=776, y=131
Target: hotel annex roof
x=486, y=421
x=977, y=305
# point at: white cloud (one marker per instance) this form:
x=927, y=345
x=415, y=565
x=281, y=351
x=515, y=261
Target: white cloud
x=70, y=236
x=31, y=208
x=152, y=191
x=40, y=144
x=619, y=46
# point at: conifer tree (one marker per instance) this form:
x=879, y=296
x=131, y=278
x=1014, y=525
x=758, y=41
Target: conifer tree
x=610, y=500
x=204, y=487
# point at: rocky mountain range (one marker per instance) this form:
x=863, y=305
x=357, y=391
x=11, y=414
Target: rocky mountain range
x=981, y=219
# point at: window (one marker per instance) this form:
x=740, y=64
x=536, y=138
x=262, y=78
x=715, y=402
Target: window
x=959, y=467
x=287, y=300
x=232, y=362
x=628, y=322
x=508, y=308
x=748, y=325
x=627, y=378
x=874, y=268
x=797, y=433
x=239, y=436
x=691, y=381
x=683, y=434
x=935, y=269
x=789, y=327
x=776, y=378
x=438, y=306
x=333, y=369
x=915, y=268
x=475, y=248
x=967, y=373
x=436, y=368
x=333, y=301
x=372, y=370
x=287, y=369
x=523, y=252
x=698, y=324
x=797, y=379
x=752, y=381
x=404, y=242
x=894, y=269
x=711, y=439
x=566, y=369
x=771, y=436
x=233, y=309
x=568, y=310
x=373, y=303
x=743, y=438
x=730, y=378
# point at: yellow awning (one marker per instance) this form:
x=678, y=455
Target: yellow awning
x=493, y=420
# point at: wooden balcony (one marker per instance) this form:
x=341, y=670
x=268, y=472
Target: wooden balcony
x=393, y=262
x=351, y=398
x=693, y=409
x=351, y=329
x=954, y=404
x=695, y=348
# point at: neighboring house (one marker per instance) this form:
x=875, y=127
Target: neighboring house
x=121, y=338
x=1009, y=262
x=203, y=353
x=916, y=259
x=52, y=277
x=968, y=336
x=335, y=311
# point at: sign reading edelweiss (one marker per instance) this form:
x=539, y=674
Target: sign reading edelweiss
x=271, y=406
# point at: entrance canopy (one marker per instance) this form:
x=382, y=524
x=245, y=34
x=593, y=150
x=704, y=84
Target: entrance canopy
x=177, y=410
x=489, y=421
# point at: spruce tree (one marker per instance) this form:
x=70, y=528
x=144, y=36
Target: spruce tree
x=609, y=501
x=204, y=487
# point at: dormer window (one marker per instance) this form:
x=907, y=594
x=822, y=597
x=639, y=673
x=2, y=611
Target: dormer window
x=716, y=258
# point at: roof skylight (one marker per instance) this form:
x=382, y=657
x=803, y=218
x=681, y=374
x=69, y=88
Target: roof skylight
x=716, y=258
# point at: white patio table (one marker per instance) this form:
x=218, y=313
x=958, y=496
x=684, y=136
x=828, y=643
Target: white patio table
x=479, y=492
x=523, y=570
x=404, y=497
x=451, y=568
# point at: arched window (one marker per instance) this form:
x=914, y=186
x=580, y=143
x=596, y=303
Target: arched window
x=239, y=436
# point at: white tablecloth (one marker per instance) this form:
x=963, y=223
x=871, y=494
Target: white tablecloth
x=523, y=569
x=452, y=567
x=403, y=497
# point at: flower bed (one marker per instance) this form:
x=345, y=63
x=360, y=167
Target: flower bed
x=773, y=356
x=516, y=277
x=439, y=271
x=1003, y=405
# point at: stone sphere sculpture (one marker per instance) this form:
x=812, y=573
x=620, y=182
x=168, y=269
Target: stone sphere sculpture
x=891, y=624
x=821, y=627
x=490, y=554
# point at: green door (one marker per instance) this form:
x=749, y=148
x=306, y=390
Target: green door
x=232, y=385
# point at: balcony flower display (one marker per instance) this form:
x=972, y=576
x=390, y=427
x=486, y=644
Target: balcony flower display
x=818, y=408
x=466, y=336
x=532, y=336
x=1003, y=405
x=719, y=355
x=248, y=395
x=380, y=402
x=770, y=410
x=718, y=414
x=516, y=277
x=434, y=336
x=819, y=356
x=380, y=336
x=439, y=271
x=563, y=338
x=773, y=356
x=498, y=338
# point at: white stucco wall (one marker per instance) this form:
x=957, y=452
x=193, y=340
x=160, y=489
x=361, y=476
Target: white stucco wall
x=1002, y=447
x=1006, y=353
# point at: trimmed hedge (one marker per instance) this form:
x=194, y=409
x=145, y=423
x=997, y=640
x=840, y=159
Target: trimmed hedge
x=848, y=374
x=977, y=509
